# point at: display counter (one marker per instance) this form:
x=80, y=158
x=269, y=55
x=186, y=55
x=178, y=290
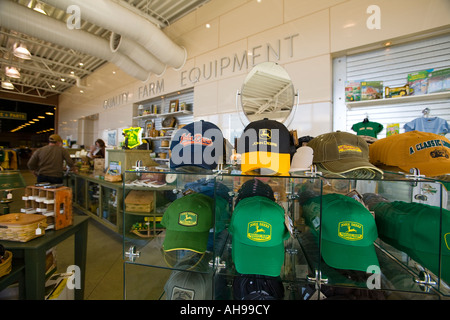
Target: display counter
x=97, y=198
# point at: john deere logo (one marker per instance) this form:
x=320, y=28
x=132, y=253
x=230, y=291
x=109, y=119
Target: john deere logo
x=351, y=231
x=265, y=134
x=187, y=219
x=259, y=231
x=447, y=240
x=439, y=153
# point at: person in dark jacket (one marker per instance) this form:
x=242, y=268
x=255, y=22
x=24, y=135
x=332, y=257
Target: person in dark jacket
x=47, y=162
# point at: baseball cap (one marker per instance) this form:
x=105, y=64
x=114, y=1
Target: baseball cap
x=254, y=187
x=199, y=144
x=420, y=230
x=426, y=151
x=302, y=160
x=189, y=285
x=187, y=221
x=257, y=287
x=258, y=233
x=348, y=231
x=266, y=144
x=54, y=138
x=341, y=152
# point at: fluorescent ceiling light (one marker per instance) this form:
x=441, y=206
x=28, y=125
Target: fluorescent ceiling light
x=12, y=72
x=39, y=7
x=6, y=84
x=21, y=52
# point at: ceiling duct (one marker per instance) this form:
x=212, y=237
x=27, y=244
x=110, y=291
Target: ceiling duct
x=137, y=53
x=118, y=19
x=16, y=17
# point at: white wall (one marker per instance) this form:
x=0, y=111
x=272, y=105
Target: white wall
x=308, y=34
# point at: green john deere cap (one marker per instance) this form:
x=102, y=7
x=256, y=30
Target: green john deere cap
x=258, y=233
x=348, y=231
x=188, y=221
x=420, y=230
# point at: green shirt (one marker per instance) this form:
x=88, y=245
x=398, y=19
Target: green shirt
x=370, y=129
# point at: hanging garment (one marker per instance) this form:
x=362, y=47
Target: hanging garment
x=434, y=125
x=367, y=128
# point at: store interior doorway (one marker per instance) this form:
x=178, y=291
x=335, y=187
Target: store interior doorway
x=87, y=130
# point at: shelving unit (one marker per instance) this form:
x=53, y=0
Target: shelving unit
x=99, y=199
x=399, y=100
x=54, y=203
x=162, y=106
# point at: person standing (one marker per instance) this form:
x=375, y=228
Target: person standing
x=47, y=162
x=97, y=151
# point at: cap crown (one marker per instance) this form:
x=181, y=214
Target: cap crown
x=191, y=213
x=258, y=221
x=337, y=146
x=428, y=152
x=197, y=144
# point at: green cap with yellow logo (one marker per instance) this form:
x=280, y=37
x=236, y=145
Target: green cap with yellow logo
x=188, y=221
x=348, y=231
x=258, y=233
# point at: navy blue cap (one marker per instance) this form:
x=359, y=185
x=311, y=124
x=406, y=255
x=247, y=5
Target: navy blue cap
x=198, y=144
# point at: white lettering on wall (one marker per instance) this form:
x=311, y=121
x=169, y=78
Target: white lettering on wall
x=239, y=61
x=151, y=89
x=115, y=101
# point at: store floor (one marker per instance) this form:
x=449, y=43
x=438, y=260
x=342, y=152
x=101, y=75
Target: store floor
x=104, y=264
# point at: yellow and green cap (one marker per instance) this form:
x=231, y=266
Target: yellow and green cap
x=348, y=231
x=258, y=234
x=188, y=221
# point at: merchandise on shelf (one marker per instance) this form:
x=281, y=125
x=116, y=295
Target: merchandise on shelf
x=439, y=81
x=396, y=91
x=428, y=152
x=268, y=145
x=371, y=90
x=418, y=82
x=352, y=91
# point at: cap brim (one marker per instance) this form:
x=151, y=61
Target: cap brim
x=347, y=165
x=347, y=257
x=432, y=262
x=430, y=168
x=258, y=260
x=185, y=240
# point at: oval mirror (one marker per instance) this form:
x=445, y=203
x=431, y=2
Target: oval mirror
x=267, y=92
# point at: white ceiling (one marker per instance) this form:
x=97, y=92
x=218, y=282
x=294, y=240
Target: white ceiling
x=50, y=63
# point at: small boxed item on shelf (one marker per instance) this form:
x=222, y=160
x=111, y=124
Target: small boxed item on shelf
x=418, y=82
x=392, y=128
x=371, y=90
x=439, y=81
x=139, y=201
x=352, y=91
x=396, y=91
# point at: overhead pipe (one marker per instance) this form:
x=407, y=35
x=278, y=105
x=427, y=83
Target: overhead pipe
x=17, y=17
x=137, y=53
x=112, y=16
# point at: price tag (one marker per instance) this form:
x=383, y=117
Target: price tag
x=38, y=231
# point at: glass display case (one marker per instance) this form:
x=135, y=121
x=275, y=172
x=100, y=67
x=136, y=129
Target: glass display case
x=99, y=199
x=338, y=238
